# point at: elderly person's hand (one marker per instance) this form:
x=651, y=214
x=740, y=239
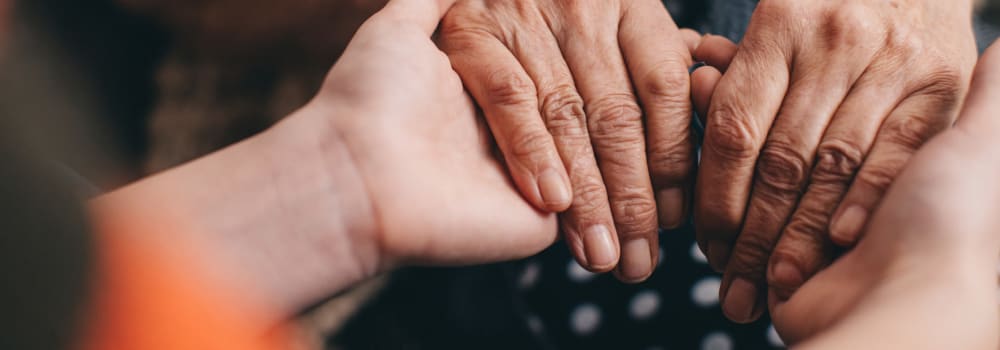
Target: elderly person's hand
x=823, y=104
x=923, y=276
x=586, y=99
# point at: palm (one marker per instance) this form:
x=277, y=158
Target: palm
x=429, y=154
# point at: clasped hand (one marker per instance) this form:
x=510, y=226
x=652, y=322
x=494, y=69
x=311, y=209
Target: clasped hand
x=819, y=108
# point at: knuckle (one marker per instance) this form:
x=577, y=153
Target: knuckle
x=563, y=112
x=837, y=161
x=731, y=135
x=614, y=116
x=667, y=84
x=781, y=169
x=526, y=144
x=672, y=164
x=879, y=176
x=635, y=216
x=589, y=197
x=944, y=84
x=911, y=131
x=751, y=255
x=900, y=46
x=807, y=227
x=506, y=87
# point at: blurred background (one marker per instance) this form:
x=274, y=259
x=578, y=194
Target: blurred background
x=115, y=90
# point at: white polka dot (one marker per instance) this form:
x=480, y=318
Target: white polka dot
x=585, y=319
x=717, y=341
x=644, y=305
x=535, y=324
x=697, y=255
x=774, y=338
x=705, y=293
x=577, y=273
x=529, y=276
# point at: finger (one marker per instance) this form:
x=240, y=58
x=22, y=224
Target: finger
x=703, y=83
x=691, y=39
x=510, y=102
x=588, y=225
x=423, y=13
x=916, y=119
x=616, y=129
x=659, y=70
x=782, y=171
x=743, y=107
x=804, y=246
x=716, y=51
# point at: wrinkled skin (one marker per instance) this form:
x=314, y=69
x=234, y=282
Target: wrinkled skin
x=924, y=272
x=592, y=116
x=821, y=107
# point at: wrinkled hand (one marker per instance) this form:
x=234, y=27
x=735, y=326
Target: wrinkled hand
x=438, y=193
x=586, y=99
x=923, y=275
x=822, y=105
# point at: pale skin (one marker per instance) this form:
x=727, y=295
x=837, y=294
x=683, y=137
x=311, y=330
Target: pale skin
x=367, y=177
x=387, y=166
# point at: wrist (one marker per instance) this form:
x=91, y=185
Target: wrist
x=282, y=215
x=323, y=200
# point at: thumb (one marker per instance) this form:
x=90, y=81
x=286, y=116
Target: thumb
x=424, y=13
x=982, y=106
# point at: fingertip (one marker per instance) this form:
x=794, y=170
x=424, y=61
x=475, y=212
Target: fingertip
x=600, y=249
x=741, y=301
x=718, y=255
x=671, y=207
x=703, y=83
x=691, y=38
x=846, y=226
x=716, y=51
x=637, y=260
x=421, y=12
x=554, y=189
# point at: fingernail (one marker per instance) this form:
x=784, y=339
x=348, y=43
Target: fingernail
x=671, y=202
x=849, y=224
x=637, y=261
x=787, y=275
x=718, y=255
x=554, y=191
x=599, y=247
x=740, y=301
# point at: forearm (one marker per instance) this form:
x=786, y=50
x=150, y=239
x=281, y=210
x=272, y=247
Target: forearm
x=281, y=215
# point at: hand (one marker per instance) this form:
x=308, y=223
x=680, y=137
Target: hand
x=387, y=166
x=821, y=107
x=439, y=194
x=924, y=274
x=555, y=79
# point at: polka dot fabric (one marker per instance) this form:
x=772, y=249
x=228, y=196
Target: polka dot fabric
x=567, y=307
x=677, y=308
